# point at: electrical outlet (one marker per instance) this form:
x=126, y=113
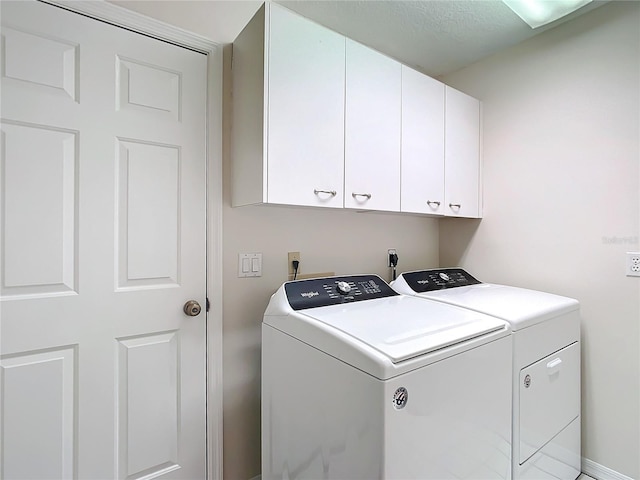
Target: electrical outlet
x=633, y=264
x=290, y=258
x=391, y=251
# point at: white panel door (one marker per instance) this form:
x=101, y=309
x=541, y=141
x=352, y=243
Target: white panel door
x=305, y=112
x=372, y=130
x=462, y=155
x=103, y=242
x=422, y=160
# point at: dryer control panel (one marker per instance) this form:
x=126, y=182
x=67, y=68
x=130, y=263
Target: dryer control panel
x=438, y=279
x=321, y=292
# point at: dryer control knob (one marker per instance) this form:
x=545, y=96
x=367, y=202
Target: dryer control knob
x=343, y=288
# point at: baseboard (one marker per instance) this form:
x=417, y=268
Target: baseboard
x=600, y=472
x=589, y=467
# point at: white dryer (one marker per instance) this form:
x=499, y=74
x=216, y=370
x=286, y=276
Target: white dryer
x=359, y=382
x=546, y=365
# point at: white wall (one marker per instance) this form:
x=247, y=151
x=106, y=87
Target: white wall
x=562, y=205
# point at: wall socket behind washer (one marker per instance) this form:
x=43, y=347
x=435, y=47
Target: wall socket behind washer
x=633, y=264
x=391, y=251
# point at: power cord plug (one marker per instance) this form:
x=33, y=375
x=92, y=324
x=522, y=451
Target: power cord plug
x=295, y=264
x=393, y=263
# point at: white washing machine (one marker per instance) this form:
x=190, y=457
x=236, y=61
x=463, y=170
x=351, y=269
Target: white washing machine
x=359, y=382
x=546, y=365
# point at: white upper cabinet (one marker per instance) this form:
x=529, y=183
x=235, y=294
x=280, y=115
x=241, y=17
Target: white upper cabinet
x=422, y=161
x=372, y=130
x=288, y=112
x=321, y=120
x=463, y=193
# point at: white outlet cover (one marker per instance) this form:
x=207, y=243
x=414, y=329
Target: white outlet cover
x=633, y=264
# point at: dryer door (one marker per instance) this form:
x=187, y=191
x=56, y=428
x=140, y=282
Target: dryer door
x=549, y=398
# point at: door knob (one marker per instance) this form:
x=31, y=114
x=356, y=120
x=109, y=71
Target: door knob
x=192, y=308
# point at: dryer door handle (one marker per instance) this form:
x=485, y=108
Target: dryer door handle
x=554, y=366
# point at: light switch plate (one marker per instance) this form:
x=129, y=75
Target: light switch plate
x=249, y=265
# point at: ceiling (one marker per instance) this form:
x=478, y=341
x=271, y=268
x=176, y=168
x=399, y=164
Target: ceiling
x=434, y=36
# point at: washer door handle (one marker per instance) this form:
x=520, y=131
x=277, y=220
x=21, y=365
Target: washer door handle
x=554, y=366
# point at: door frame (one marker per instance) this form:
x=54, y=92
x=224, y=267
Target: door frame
x=136, y=22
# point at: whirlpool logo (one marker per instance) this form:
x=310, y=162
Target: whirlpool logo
x=423, y=282
x=309, y=294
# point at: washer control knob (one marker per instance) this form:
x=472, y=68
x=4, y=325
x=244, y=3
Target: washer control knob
x=343, y=288
x=444, y=276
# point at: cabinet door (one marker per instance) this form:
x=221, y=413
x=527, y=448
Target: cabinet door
x=372, y=130
x=422, y=160
x=462, y=155
x=305, y=104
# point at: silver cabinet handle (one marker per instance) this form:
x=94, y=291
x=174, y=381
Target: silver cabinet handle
x=454, y=205
x=430, y=202
x=354, y=195
x=330, y=192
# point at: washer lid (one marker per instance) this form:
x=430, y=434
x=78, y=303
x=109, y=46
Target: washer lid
x=518, y=306
x=405, y=327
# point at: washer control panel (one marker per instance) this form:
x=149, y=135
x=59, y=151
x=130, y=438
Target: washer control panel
x=321, y=292
x=438, y=279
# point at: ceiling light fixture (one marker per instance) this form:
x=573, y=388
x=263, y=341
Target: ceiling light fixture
x=540, y=12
